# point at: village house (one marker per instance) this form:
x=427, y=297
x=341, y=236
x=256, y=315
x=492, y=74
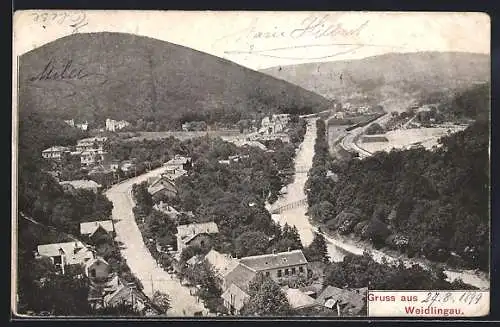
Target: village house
x=279, y=266
x=238, y=273
x=274, y=124
x=92, y=157
x=178, y=163
x=65, y=254
x=162, y=187
x=128, y=294
x=345, y=302
x=195, y=234
x=235, y=287
x=115, y=125
x=97, y=229
x=83, y=126
x=222, y=264
x=71, y=186
x=91, y=143
x=297, y=299
x=55, y=152
x=97, y=269
x=234, y=299
x=70, y=122
x=127, y=166
x=167, y=209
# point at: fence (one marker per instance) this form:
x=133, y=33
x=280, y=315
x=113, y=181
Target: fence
x=289, y=206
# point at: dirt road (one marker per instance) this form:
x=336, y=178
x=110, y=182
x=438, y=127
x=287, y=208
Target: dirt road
x=137, y=255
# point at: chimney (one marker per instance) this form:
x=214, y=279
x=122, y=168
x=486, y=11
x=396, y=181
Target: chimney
x=274, y=251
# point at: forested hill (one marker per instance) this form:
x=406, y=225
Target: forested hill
x=431, y=203
x=96, y=76
x=393, y=80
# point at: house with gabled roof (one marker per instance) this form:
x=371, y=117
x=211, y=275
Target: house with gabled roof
x=162, y=186
x=221, y=263
x=298, y=299
x=92, y=229
x=278, y=266
x=66, y=254
x=234, y=299
x=97, y=269
x=80, y=184
x=195, y=234
x=344, y=301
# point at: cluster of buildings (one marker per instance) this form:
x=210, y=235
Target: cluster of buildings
x=274, y=124
x=111, y=124
x=107, y=288
x=164, y=185
x=89, y=150
x=349, y=108
x=83, y=126
x=233, y=275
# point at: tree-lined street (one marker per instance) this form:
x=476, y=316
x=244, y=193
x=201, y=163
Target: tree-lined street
x=140, y=261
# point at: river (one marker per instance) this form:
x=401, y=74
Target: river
x=338, y=248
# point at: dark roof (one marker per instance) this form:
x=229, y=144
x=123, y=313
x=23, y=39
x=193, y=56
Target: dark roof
x=274, y=261
x=241, y=276
x=350, y=298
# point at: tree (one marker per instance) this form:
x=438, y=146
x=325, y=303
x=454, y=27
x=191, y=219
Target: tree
x=121, y=309
x=161, y=300
x=288, y=240
x=266, y=298
x=317, y=250
x=251, y=243
x=322, y=211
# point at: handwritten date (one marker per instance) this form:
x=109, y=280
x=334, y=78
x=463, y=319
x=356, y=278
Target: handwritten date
x=468, y=298
x=74, y=20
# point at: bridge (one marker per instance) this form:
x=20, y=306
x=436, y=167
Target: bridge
x=289, y=206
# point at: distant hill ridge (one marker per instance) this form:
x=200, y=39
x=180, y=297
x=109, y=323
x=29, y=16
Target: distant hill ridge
x=394, y=80
x=94, y=76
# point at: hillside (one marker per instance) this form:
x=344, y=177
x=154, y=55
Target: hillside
x=394, y=80
x=123, y=76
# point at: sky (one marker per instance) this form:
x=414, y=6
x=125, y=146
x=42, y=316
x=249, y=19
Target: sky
x=260, y=40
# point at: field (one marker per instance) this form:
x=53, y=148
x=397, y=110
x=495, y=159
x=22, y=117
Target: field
x=406, y=138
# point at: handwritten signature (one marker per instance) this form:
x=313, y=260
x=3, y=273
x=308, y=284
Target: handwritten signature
x=312, y=28
x=68, y=74
x=74, y=20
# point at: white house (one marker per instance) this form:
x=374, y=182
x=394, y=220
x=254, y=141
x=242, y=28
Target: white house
x=115, y=125
x=55, y=152
x=66, y=254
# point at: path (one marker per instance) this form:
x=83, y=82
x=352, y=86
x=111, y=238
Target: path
x=138, y=257
x=297, y=216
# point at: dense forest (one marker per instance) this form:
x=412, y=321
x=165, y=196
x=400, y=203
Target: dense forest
x=357, y=271
x=431, y=203
x=150, y=83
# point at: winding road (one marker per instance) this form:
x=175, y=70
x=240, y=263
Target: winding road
x=138, y=257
